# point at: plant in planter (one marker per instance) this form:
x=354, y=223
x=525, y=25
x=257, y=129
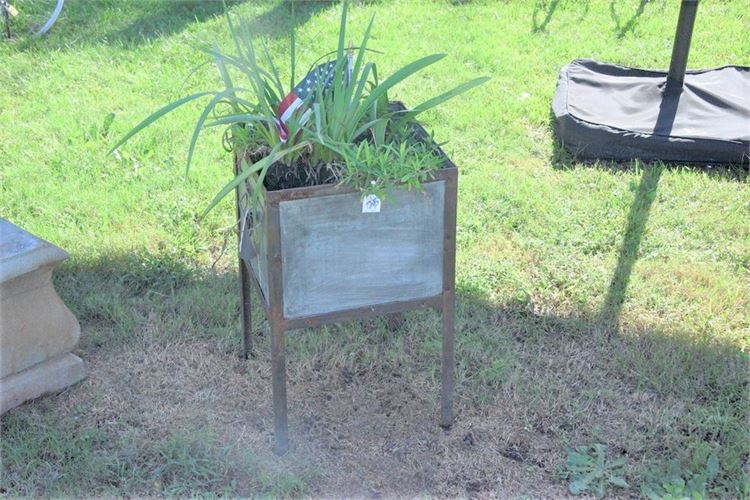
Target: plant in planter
x=346, y=207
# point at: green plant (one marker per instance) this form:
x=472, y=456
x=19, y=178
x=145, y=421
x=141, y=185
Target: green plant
x=682, y=485
x=377, y=167
x=353, y=111
x=593, y=471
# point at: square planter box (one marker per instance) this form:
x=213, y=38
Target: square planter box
x=316, y=258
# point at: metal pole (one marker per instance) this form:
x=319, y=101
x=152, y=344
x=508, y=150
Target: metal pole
x=247, y=315
x=245, y=304
x=276, y=321
x=681, y=48
x=449, y=302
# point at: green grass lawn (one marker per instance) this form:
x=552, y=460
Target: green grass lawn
x=596, y=303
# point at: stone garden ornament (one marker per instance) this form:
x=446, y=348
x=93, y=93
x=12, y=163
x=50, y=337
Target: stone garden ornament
x=37, y=331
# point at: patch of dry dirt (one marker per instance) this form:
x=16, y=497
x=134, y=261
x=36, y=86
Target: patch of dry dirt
x=364, y=434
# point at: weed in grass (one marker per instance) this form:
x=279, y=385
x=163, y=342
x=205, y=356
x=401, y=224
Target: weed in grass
x=591, y=471
x=679, y=484
x=284, y=485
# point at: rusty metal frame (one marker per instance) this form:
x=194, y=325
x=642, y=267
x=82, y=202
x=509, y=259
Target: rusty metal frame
x=246, y=277
x=274, y=306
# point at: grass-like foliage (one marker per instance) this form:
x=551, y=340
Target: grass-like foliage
x=376, y=167
x=353, y=131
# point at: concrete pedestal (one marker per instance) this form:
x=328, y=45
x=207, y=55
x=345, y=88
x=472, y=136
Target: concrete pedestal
x=37, y=330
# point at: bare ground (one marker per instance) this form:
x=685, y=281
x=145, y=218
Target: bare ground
x=368, y=432
x=361, y=434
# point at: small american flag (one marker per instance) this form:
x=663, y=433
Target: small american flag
x=307, y=87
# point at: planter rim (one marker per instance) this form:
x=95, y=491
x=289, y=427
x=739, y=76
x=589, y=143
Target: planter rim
x=281, y=195
x=447, y=170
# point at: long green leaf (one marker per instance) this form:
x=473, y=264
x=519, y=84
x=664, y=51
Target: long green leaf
x=366, y=126
x=435, y=101
x=239, y=119
x=293, y=48
x=318, y=120
x=339, y=101
x=274, y=72
x=240, y=178
x=158, y=114
x=353, y=117
x=394, y=79
x=233, y=31
x=192, y=71
x=254, y=73
x=360, y=59
x=333, y=52
x=201, y=119
x=233, y=61
x=339, y=93
x=226, y=78
x=275, y=155
x=342, y=31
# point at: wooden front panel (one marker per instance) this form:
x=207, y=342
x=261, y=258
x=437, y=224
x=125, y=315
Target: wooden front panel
x=335, y=258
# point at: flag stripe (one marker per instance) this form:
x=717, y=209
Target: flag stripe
x=291, y=109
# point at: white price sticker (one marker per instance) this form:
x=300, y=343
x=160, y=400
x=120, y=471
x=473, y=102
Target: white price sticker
x=371, y=204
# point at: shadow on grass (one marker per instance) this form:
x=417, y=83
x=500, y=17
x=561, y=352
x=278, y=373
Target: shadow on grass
x=162, y=19
x=544, y=11
x=277, y=22
x=117, y=297
x=621, y=28
x=676, y=364
x=548, y=377
x=146, y=20
x=545, y=7
x=168, y=298
x=577, y=384
x=636, y=226
x=562, y=159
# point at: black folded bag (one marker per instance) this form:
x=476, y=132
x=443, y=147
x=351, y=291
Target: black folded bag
x=612, y=112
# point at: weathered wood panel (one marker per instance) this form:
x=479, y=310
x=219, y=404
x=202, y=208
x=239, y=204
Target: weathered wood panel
x=334, y=257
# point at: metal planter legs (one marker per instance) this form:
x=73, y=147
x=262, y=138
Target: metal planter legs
x=315, y=258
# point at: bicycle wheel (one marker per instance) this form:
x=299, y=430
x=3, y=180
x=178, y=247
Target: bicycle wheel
x=36, y=17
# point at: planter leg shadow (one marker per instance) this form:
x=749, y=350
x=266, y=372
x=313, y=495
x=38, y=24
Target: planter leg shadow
x=245, y=281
